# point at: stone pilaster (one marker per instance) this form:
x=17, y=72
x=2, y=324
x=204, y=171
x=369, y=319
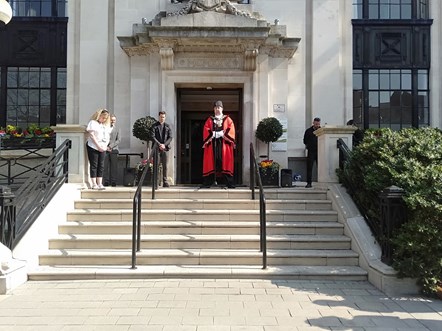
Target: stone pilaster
x=328, y=152
x=78, y=162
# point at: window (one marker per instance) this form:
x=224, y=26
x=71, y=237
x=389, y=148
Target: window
x=39, y=8
x=35, y=95
x=389, y=94
x=390, y=9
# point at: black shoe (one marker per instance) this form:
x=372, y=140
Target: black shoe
x=205, y=186
x=230, y=186
x=165, y=184
x=106, y=184
x=114, y=184
x=308, y=186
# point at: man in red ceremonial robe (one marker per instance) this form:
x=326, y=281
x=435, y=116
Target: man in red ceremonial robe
x=219, y=144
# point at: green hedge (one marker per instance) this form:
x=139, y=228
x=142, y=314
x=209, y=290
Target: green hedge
x=410, y=159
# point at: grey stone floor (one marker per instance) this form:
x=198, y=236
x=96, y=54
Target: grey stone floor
x=213, y=304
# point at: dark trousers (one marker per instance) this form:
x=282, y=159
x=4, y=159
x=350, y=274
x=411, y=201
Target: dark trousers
x=163, y=160
x=111, y=167
x=96, y=162
x=311, y=159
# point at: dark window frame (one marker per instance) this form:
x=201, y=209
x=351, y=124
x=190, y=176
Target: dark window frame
x=55, y=101
x=39, y=8
x=391, y=10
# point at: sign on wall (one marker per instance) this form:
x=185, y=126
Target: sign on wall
x=281, y=144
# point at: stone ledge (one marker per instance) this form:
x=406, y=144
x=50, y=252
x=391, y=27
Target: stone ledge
x=380, y=275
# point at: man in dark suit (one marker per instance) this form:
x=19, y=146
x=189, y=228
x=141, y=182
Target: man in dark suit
x=311, y=143
x=162, y=135
x=111, y=158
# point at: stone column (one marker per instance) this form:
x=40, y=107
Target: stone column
x=78, y=162
x=328, y=153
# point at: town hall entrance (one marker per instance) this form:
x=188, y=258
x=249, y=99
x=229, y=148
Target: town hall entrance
x=194, y=105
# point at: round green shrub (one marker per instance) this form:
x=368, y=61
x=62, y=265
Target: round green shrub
x=269, y=130
x=142, y=128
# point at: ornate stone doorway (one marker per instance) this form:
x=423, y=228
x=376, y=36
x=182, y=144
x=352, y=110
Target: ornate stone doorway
x=193, y=107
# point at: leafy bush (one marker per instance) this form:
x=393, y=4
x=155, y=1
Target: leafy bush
x=142, y=128
x=410, y=159
x=269, y=130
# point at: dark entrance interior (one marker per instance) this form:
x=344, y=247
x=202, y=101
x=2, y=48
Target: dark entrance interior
x=194, y=106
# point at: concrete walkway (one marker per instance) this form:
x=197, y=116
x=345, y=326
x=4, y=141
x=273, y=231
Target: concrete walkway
x=212, y=305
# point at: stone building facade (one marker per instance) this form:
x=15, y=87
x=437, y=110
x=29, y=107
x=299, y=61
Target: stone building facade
x=261, y=59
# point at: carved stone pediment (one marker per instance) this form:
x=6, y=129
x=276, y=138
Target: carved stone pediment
x=209, y=32
x=220, y=6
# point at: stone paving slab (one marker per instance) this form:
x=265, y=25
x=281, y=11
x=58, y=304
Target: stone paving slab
x=213, y=305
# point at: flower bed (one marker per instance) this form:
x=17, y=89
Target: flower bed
x=13, y=137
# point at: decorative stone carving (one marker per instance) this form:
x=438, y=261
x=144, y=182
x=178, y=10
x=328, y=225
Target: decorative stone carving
x=250, y=56
x=208, y=61
x=166, y=54
x=220, y=6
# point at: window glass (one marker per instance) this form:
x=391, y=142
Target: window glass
x=29, y=96
x=406, y=79
x=422, y=80
x=391, y=9
x=384, y=79
x=373, y=80
x=41, y=8
x=357, y=79
x=390, y=98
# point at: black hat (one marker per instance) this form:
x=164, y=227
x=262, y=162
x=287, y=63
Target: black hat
x=218, y=104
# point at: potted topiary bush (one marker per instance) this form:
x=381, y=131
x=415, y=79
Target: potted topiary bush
x=142, y=129
x=269, y=130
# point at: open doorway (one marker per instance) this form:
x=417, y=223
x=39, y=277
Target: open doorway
x=194, y=106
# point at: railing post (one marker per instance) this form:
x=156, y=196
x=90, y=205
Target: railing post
x=7, y=216
x=393, y=215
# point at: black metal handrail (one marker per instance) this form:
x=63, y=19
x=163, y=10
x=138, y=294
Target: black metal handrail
x=255, y=177
x=22, y=208
x=137, y=201
x=31, y=148
x=344, y=156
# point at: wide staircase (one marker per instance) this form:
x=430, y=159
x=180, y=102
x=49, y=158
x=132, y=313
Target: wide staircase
x=187, y=232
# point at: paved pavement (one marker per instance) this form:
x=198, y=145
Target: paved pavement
x=212, y=305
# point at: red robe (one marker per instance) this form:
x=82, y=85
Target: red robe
x=228, y=146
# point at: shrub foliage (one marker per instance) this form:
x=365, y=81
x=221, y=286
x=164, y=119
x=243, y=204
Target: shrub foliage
x=142, y=128
x=410, y=159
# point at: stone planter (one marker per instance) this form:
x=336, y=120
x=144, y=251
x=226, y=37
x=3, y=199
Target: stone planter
x=269, y=177
x=28, y=143
x=147, y=179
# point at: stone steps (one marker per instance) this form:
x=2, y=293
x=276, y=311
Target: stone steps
x=182, y=241
x=187, y=232
x=330, y=273
x=202, y=227
x=190, y=214
x=172, y=256
x=206, y=204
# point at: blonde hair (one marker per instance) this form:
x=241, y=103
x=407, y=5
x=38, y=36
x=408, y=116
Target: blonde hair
x=99, y=112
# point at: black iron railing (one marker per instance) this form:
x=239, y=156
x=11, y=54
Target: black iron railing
x=137, y=202
x=255, y=178
x=393, y=212
x=14, y=170
x=352, y=187
x=20, y=209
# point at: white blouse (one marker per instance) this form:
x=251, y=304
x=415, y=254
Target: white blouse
x=101, y=133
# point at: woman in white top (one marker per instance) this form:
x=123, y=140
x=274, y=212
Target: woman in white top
x=99, y=132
